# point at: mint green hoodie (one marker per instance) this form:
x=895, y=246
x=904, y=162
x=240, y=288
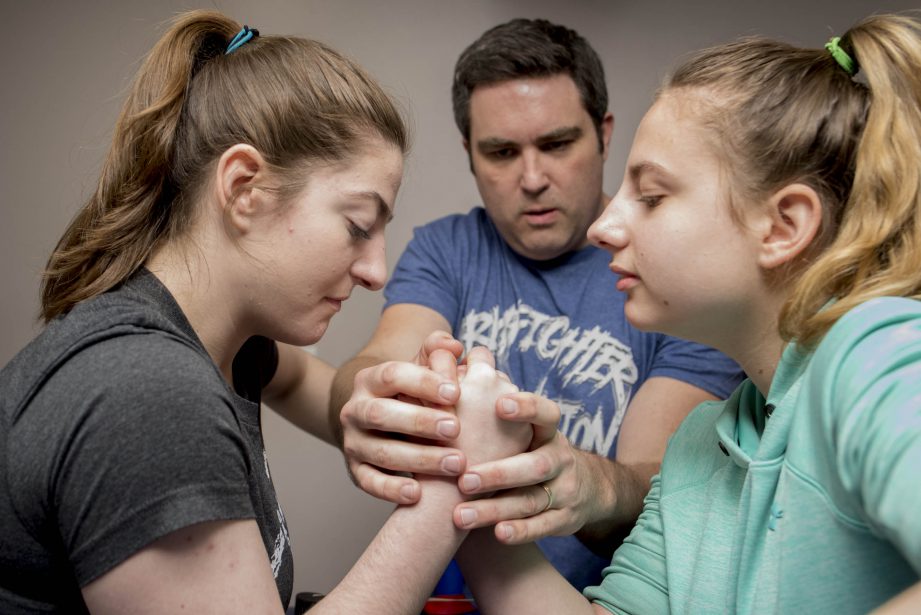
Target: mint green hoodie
x=807, y=502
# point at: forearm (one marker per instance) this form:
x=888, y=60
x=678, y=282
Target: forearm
x=515, y=579
x=341, y=390
x=620, y=490
x=909, y=601
x=403, y=563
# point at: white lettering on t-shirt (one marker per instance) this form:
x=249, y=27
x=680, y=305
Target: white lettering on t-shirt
x=281, y=541
x=570, y=356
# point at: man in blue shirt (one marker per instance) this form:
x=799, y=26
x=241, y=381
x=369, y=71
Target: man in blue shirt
x=519, y=277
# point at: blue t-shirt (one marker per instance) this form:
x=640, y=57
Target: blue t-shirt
x=557, y=328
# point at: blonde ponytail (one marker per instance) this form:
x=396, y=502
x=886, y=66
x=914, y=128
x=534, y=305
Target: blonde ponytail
x=877, y=251
x=785, y=114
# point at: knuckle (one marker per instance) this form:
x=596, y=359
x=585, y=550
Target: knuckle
x=364, y=480
x=543, y=464
x=487, y=513
x=349, y=449
x=525, y=532
x=527, y=405
x=375, y=413
x=534, y=503
x=388, y=373
x=348, y=410
x=496, y=476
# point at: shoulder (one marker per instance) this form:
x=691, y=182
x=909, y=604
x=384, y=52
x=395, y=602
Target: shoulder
x=877, y=320
x=147, y=359
x=474, y=222
x=874, y=338
x=130, y=386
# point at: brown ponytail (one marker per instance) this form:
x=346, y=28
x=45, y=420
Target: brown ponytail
x=294, y=100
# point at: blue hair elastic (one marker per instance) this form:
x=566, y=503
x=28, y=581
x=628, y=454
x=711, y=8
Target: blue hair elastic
x=242, y=37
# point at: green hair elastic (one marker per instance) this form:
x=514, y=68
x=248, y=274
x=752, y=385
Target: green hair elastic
x=844, y=60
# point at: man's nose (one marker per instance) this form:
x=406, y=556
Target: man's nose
x=533, y=175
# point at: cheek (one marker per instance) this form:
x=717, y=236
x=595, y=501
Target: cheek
x=676, y=262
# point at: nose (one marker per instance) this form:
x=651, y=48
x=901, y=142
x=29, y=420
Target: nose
x=534, y=179
x=370, y=269
x=609, y=231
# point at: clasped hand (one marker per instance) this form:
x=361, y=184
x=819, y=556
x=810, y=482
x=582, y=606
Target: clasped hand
x=401, y=419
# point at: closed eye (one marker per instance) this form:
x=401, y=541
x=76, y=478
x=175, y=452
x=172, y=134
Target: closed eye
x=651, y=201
x=358, y=233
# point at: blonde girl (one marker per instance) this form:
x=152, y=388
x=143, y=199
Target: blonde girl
x=771, y=207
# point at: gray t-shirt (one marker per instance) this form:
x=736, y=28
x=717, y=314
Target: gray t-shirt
x=116, y=429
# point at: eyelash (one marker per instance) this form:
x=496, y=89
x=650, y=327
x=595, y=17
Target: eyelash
x=553, y=146
x=358, y=233
x=507, y=153
x=502, y=154
x=651, y=201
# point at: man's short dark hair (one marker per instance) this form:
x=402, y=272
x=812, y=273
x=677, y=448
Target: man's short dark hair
x=523, y=48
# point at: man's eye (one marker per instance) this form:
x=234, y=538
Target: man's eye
x=651, y=200
x=502, y=154
x=554, y=146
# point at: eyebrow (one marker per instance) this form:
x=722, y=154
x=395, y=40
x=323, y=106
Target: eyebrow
x=383, y=209
x=566, y=132
x=636, y=171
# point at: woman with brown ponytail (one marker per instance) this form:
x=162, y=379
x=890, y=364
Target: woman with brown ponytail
x=244, y=196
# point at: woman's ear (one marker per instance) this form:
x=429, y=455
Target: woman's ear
x=792, y=220
x=239, y=170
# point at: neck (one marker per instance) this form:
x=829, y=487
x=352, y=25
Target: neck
x=203, y=293
x=757, y=348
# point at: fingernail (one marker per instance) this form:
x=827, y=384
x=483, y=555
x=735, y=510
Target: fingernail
x=470, y=482
x=505, y=530
x=468, y=516
x=408, y=492
x=448, y=391
x=447, y=428
x=452, y=464
x=509, y=407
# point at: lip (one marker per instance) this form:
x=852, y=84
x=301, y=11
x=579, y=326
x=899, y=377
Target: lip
x=543, y=216
x=627, y=279
x=336, y=302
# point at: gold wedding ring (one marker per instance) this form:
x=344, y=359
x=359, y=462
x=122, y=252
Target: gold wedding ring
x=549, y=498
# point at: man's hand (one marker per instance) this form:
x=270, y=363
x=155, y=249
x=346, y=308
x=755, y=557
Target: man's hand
x=595, y=497
x=414, y=400
x=582, y=483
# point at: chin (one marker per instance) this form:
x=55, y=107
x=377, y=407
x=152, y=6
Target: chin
x=307, y=335
x=644, y=319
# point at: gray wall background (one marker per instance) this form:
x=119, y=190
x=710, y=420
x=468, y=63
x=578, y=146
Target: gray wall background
x=65, y=66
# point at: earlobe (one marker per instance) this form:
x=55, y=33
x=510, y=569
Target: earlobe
x=240, y=169
x=794, y=216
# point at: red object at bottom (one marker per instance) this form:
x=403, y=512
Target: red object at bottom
x=450, y=604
